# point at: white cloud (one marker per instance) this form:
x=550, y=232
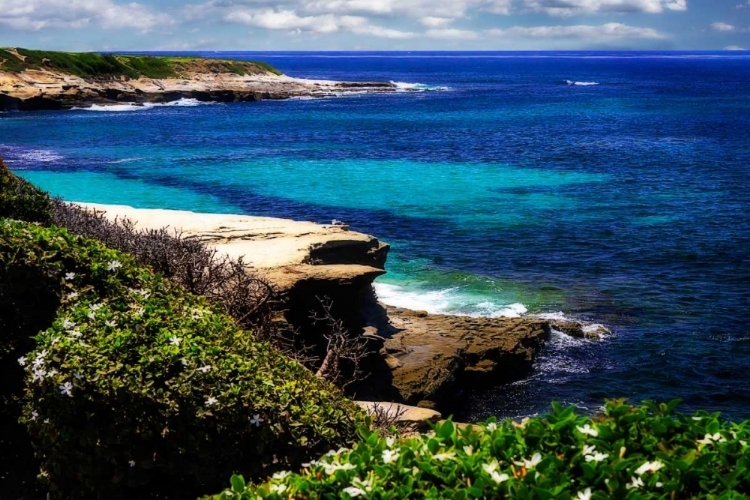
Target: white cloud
x=435, y=22
x=36, y=15
x=607, y=31
x=451, y=34
x=382, y=32
x=733, y=47
x=502, y=7
x=576, y=7
x=722, y=27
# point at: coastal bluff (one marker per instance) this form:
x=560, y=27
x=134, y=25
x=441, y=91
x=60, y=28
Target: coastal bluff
x=419, y=359
x=35, y=80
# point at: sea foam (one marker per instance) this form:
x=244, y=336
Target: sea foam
x=581, y=84
x=113, y=108
x=446, y=301
x=418, y=87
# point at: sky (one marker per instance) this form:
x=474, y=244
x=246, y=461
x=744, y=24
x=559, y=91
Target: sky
x=261, y=25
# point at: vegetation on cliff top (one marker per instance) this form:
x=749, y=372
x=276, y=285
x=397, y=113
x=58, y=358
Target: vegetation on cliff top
x=94, y=65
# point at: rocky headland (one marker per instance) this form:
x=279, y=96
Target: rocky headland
x=421, y=359
x=34, y=80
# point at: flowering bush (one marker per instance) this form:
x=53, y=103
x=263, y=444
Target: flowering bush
x=138, y=389
x=630, y=452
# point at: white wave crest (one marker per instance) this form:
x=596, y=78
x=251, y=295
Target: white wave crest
x=114, y=108
x=39, y=155
x=581, y=84
x=124, y=160
x=418, y=87
x=446, y=301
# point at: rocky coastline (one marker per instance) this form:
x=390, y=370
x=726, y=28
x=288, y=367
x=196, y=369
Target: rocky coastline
x=421, y=359
x=54, y=89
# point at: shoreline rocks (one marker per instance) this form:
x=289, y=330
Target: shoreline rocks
x=50, y=89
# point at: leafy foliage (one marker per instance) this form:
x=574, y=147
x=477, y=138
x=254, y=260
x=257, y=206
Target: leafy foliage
x=190, y=263
x=22, y=200
x=93, y=65
x=139, y=389
x=631, y=452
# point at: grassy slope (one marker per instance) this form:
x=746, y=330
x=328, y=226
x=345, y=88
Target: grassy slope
x=93, y=65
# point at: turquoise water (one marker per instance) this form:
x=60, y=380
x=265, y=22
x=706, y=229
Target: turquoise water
x=504, y=190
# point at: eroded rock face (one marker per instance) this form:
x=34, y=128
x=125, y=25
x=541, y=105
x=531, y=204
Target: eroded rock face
x=428, y=358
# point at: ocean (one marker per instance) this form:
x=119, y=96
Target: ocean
x=611, y=187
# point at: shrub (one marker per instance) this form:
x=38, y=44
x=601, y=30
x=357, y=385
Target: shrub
x=139, y=389
x=22, y=200
x=190, y=263
x=631, y=452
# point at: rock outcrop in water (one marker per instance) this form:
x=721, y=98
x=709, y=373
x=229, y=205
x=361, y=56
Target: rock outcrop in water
x=68, y=83
x=423, y=359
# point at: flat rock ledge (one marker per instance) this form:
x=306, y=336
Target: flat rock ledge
x=422, y=360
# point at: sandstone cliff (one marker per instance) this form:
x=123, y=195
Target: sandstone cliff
x=29, y=81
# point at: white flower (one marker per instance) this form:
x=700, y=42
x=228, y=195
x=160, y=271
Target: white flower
x=390, y=441
x=114, y=265
x=204, y=369
x=144, y=293
x=34, y=415
x=110, y=324
x=492, y=426
x=75, y=333
x=22, y=361
x=211, y=401
x=331, y=469
x=67, y=389
x=78, y=376
x=281, y=475
x=354, y=492
x=131, y=463
x=390, y=456
x=52, y=373
x=444, y=456
x=91, y=315
x=490, y=467
x=96, y=307
x=139, y=312
x=278, y=488
x=588, y=450
x=530, y=464
x=72, y=295
x=70, y=276
x=256, y=421
x=649, y=467
x=596, y=457
x=711, y=439
x=67, y=324
x=469, y=450
x=636, y=482
x=358, y=488
x=175, y=341
x=587, y=429
x=697, y=419
x=499, y=478
x=584, y=495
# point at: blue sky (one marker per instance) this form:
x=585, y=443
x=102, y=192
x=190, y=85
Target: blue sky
x=375, y=24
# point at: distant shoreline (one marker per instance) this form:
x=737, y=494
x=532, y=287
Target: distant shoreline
x=34, y=80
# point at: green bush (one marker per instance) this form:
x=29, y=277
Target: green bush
x=631, y=452
x=22, y=200
x=138, y=389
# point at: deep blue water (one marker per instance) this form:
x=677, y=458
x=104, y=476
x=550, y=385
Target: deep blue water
x=624, y=203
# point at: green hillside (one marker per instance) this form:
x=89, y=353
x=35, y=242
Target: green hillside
x=94, y=65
